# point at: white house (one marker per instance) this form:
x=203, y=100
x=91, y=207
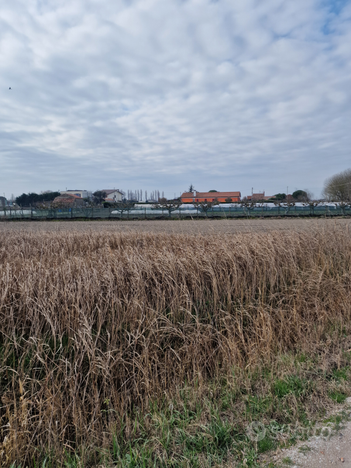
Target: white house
x=116, y=195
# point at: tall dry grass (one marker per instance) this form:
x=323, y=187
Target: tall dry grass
x=96, y=324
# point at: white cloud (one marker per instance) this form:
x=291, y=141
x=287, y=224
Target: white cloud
x=161, y=93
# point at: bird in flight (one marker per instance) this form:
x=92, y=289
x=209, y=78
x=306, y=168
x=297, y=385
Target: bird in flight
x=10, y=88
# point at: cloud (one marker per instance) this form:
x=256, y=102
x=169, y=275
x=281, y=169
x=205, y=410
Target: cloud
x=158, y=94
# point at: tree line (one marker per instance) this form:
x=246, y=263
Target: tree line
x=32, y=199
x=336, y=189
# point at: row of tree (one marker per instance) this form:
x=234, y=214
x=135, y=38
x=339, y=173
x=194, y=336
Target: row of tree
x=139, y=195
x=298, y=195
x=45, y=199
x=337, y=188
x=32, y=199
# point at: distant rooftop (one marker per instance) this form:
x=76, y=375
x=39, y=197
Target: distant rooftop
x=111, y=190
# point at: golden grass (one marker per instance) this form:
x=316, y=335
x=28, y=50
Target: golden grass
x=99, y=320
x=174, y=226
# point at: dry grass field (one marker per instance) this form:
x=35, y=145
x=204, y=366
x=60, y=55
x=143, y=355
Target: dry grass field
x=203, y=226
x=140, y=344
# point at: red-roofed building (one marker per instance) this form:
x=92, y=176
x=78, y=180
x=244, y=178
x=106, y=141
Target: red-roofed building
x=68, y=200
x=221, y=197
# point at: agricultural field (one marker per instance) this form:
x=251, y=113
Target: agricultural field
x=204, y=226
x=170, y=343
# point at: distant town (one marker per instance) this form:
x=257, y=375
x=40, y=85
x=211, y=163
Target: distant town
x=109, y=203
x=106, y=197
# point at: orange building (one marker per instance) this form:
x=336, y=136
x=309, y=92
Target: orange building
x=221, y=197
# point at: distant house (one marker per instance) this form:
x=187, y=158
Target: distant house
x=259, y=197
x=221, y=197
x=68, y=200
x=77, y=193
x=3, y=202
x=114, y=195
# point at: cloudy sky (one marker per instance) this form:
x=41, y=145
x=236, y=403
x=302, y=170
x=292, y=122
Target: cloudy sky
x=158, y=94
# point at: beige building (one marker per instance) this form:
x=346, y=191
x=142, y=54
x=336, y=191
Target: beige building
x=259, y=197
x=77, y=193
x=115, y=195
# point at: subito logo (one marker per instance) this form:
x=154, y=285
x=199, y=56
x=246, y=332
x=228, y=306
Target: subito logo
x=256, y=431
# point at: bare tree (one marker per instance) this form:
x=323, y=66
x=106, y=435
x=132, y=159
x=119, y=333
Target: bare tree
x=45, y=205
x=123, y=206
x=279, y=204
x=248, y=205
x=169, y=205
x=206, y=206
x=338, y=187
x=343, y=205
x=312, y=205
x=288, y=205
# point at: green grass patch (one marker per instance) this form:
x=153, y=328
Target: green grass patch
x=338, y=397
x=290, y=385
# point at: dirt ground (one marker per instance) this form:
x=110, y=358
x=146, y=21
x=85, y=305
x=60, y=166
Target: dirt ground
x=204, y=226
x=333, y=449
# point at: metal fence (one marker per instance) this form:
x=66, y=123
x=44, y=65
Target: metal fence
x=184, y=212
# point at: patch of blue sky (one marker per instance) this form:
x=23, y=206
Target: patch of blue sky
x=334, y=9
x=336, y=6
x=129, y=108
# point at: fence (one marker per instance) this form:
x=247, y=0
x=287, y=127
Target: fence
x=184, y=212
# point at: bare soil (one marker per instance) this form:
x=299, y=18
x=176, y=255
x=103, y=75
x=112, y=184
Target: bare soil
x=332, y=449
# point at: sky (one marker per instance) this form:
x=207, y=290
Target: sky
x=227, y=95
